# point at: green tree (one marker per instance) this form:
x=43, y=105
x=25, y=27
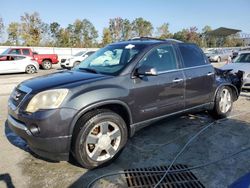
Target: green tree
x=126, y=29
x=181, y=35
x=31, y=29
x=163, y=31
x=89, y=33
x=106, y=37
x=141, y=28
x=120, y=29
x=13, y=33
x=54, y=28
x=207, y=40
x=1, y=27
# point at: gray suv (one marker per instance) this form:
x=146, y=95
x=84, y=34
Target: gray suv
x=92, y=110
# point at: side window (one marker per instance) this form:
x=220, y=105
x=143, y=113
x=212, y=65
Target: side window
x=19, y=57
x=191, y=55
x=15, y=51
x=26, y=52
x=89, y=53
x=161, y=58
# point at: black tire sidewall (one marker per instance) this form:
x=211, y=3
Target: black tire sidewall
x=80, y=149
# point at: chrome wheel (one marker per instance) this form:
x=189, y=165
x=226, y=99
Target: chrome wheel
x=47, y=65
x=225, y=101
x=103, y=141
x=30, y=69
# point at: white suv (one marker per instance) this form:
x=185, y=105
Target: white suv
x=75, y=59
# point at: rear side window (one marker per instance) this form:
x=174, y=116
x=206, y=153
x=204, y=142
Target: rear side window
x=191, y=55
x=15, y=51
x=26, y=52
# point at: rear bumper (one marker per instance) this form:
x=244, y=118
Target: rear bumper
x=53, y=148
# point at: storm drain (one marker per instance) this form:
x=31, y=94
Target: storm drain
x=185, y=179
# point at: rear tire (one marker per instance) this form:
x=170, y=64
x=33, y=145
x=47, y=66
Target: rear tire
x=47, y=64
x=223, y=103
x=76, y=63
x=30, y=69
x=98, y=138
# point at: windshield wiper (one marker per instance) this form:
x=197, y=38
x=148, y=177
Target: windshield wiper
x=89, y=70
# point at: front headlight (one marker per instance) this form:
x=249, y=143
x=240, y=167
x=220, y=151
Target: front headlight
x=49, y=99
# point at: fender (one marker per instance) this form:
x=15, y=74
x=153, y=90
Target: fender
x=95, y=105
x=226, y=84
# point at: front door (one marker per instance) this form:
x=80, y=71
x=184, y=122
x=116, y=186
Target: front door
x=159, y=95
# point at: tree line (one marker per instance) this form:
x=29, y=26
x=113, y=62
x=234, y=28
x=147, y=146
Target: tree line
x=32, y=31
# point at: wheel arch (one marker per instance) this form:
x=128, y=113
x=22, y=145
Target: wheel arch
x=234, y=89
x=119, y=107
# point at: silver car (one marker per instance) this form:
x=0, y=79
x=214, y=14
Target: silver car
x=218, y=55
x=241, y=62
x=11, y=63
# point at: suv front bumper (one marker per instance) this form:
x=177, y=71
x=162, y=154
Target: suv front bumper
x=47, y=132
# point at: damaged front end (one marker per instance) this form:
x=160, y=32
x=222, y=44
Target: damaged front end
x=227, y=77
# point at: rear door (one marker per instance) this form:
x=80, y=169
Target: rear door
x=162, y=94
x=199, y=73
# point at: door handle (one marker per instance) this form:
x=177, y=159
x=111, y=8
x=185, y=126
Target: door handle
x=177, y=80
x=210, y=73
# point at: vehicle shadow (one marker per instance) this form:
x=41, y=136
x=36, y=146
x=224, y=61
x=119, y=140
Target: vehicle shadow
x=220, y=140
x=20, y=143
x=6, y=178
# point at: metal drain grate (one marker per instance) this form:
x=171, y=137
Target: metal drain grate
x=184, y=179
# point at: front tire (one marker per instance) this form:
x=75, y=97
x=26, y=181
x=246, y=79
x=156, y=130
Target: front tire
x=218, y=60
x=98, y=138
x=30, y=69
x=223, y=103
x=76, y=63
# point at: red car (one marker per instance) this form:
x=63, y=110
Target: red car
x=44, y=60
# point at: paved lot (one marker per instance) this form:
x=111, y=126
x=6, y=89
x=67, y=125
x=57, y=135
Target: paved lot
x=153, y=146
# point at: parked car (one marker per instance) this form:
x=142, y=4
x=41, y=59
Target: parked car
x=44, y=60
x=218, y=55
x=17, y=63
x=241, y=62
x=236, y=52
x=75, y=59
x=93, y=109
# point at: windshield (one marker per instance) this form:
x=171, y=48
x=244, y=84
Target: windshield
x=5, y=51
x=111, y=59
x=243, y=58
x=80, y=53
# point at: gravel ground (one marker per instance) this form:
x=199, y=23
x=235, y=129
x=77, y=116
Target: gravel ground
x=153, y=146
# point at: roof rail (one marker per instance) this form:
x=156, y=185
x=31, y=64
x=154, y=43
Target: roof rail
x=146, y=38
x=174, y=40
x=152, y=38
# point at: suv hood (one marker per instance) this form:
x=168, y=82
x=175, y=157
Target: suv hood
x=58, y=79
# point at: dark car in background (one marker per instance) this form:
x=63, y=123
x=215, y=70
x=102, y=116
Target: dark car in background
x=92, y=110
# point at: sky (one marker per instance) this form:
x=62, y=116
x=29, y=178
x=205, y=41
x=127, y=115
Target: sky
x=178, y=13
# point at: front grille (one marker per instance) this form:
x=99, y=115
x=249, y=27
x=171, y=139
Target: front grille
x=63, y=60
x=173, y=180
x=17, y=96
x=248, y=84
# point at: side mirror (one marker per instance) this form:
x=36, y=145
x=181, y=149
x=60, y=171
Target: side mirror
x=146, y=71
